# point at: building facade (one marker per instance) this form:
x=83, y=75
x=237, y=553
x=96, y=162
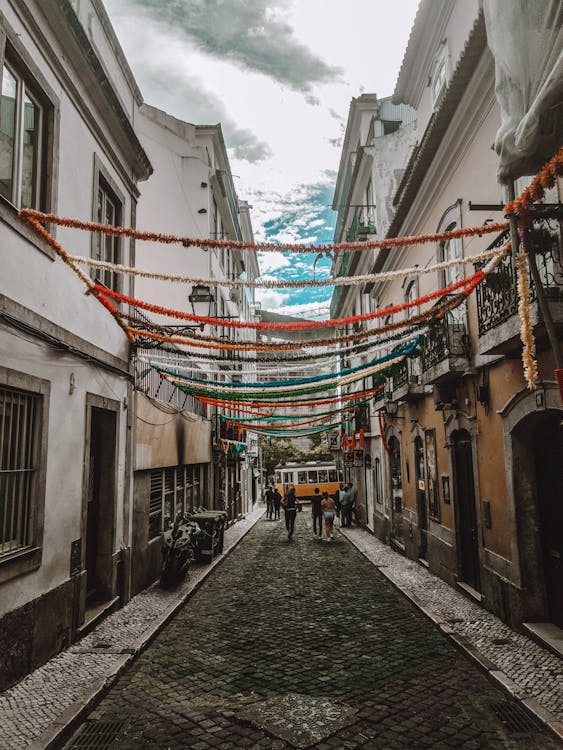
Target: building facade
x=379, y=137
x=67, y=146
x=179, y=461
x=472, y=459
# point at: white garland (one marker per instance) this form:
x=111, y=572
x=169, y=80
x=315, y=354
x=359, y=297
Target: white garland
x=286, y=283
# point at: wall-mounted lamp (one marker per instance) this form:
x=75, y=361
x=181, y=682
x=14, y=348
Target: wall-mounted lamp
x=202, y=296
x=392, y=407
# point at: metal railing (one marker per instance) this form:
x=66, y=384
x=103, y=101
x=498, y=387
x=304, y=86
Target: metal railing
x=444, y=338
x=152, y=385
x=497, y=296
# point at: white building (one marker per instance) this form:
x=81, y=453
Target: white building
x=378, y=140
x=67, y=146
x=179, y=464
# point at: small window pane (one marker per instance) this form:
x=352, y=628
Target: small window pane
x=313, y=477
x=301, y=477
x=30, y=157
x=332, y=475
x=323, y=476
x=8, y=108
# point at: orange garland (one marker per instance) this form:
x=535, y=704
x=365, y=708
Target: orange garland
x=535, y=191
x=33, y=217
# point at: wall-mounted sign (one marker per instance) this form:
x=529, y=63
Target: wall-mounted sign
x=358, y=458
x=421, y=485
x=348, y=458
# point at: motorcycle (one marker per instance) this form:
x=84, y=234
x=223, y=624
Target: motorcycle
x=180, y=540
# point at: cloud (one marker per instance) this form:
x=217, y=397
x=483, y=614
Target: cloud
x=272, y=262
x=270, y=299
x=253, y=35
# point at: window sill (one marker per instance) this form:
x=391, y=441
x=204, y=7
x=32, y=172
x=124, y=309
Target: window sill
x=19, y=563
x=9, y=215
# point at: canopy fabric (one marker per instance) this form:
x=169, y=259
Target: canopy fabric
x=526, y=39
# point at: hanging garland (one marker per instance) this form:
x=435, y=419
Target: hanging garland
x=302, y=325
x=294, y=382
x=544, y=180
x=363, y=395
x=285, y=283
x=33, y=216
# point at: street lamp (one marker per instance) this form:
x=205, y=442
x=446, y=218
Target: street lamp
x=202, y=296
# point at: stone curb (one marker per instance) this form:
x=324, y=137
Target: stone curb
x=61, y=729
x=530, y=705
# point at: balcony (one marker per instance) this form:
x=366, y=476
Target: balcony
x=445, y=350
x=405, y=384
x=497, y=298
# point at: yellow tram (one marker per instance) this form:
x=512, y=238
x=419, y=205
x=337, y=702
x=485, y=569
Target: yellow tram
x=306, y=477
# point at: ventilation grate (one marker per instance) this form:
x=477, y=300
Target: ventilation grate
x=97, y=735
x=515, y=718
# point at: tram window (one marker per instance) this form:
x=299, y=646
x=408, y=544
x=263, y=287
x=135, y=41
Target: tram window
x=301, y=477
x=312, y=475
x=323, y=476
x=288, y=477
x=332, y=475
x=278, y=477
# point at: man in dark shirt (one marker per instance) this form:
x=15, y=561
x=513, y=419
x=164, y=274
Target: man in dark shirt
x=317, y=513
x=270, y=502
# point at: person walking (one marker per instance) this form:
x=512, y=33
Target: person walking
x=270, y=502
x=351, y=503
x=317, y=513
x=344, y=505
x=289, y=503
x=277, y=504
x=329, y=512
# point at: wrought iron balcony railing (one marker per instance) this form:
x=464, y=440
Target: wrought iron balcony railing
x=497, y=296
x=445, y=339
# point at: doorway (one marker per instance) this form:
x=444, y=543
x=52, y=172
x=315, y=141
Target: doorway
x=100, y=511
x=396, y=475
x=420, y=484
x=548, y=457
x=466, y=514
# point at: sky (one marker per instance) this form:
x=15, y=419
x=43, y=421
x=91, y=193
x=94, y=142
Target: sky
x=279, y=76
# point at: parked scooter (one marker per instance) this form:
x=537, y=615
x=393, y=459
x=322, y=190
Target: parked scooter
x=178, y=550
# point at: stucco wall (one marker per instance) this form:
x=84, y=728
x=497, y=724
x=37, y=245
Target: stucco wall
x=169, y=439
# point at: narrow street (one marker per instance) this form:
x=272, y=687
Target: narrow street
x=303, y=644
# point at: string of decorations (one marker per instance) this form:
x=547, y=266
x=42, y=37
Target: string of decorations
x=210, y=342
x=544, y=180
x=348, y=352
x=529, y=361
x=293, y=382
x=357, y=398
x=283, y=417
x=241, y=394
x=302, y=325
x=31, y=215
x=285, y=283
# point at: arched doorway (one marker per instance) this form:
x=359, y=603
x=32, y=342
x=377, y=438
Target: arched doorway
x=537, y=454
x=420, y=485
x=466, y=514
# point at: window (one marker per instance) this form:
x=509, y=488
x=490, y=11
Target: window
x=312, y=477
x=450, y=250
x=301, y=477
x=19, y=417
x=332, y=475
x=439, y=81
x=410, y=295
x=390, y=126
x=106, y=247
x=377, y=481
x=323, y=476
x=173, y=490
x=22, y=140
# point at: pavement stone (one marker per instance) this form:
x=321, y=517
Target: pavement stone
x=536, y=672
x=305, y=644
x=36, y=707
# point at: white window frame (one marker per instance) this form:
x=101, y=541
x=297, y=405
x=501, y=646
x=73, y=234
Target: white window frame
x=23, y=90
x=440, y=76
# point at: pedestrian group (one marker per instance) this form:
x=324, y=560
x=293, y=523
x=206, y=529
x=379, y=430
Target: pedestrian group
x=324, y=509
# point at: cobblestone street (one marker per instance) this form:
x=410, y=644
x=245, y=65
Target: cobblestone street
x=303, y=644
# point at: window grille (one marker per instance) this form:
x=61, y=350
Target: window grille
x=18, y=426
